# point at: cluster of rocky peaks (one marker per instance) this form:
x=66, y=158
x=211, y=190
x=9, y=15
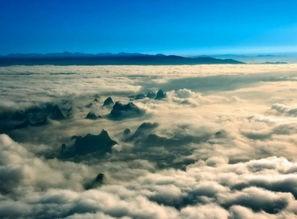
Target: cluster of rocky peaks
x=120, y=110
x=35, y=115
x=146, y=141
x=145, y=138
x=41, y=114
x=160, y=94
x=99, y=145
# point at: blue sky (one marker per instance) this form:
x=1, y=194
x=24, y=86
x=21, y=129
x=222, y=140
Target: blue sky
x=151, y=26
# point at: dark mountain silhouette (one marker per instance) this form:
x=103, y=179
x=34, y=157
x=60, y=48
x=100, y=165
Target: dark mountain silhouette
x=121, y=111
x=108, y=59
x=34, y=116
x=99, y=145
x=108, y=102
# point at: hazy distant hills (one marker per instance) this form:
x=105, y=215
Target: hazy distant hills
x=269, y=58
x=108, y=59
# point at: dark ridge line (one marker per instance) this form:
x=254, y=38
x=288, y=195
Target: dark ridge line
x=108, y=59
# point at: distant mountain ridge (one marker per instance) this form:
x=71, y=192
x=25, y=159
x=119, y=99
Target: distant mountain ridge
x=67, y=58
x=261, y=58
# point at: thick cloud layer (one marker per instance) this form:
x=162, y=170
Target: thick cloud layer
x=220, y=143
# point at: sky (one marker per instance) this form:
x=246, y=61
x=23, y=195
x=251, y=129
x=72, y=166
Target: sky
x=148, y=26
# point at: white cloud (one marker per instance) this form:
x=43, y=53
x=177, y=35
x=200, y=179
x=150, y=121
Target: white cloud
x=219, y=153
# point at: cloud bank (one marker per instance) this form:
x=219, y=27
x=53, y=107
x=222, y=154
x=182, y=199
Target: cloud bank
x=224, y=149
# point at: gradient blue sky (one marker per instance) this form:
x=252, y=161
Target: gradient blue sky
x=152, y=26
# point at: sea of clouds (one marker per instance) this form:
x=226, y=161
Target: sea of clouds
x=221, y=144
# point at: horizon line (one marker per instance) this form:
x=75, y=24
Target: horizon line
x=186, y=54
